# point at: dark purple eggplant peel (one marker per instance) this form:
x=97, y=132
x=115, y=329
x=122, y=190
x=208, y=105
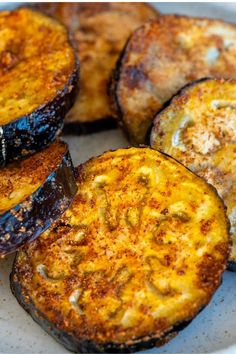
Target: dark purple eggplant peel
x=48, y=181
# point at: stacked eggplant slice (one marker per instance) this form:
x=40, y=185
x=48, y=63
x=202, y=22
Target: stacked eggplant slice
x=121, y=253
x=38, y=82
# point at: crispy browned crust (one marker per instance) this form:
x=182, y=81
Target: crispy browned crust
x=34, y=193
x=100, y=31
x=163, y=56
x=148, y=218
x=38, y=81
x=198, y=129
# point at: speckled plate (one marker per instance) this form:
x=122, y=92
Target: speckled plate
x=214, y=329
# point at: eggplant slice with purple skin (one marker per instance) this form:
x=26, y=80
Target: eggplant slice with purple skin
x=34, y=193
x=198, y=128
x=38, y=81
x=162, y=230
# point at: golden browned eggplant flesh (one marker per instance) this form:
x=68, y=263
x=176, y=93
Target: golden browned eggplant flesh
x=198, y=128
x=138, y=254
x=100, y=31
x=163, y=56
x=38, y=81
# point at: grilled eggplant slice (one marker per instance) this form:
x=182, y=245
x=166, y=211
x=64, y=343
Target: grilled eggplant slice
x=138, y=254
x=34, y=193
x=160, y=58
x=198, y=128
x=100, y=31
x=38, y=81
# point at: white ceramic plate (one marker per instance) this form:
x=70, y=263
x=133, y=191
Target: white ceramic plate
x=213, y=331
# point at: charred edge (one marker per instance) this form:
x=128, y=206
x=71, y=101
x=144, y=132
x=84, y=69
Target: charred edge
x=2, y=147
x=29, y=219
x=37, y=130
x=72, y=343
x=84, y=128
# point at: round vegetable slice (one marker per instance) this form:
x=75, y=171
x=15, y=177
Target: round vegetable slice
x=34, y=193
x=138, y=254
x=38, y=79
x=163, y=56
x=100, y=31
x=198, y=129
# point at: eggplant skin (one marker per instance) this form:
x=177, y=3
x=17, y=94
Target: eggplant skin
x=37, y=130
x=27, y=220
x=138, y=302
x=71, y=343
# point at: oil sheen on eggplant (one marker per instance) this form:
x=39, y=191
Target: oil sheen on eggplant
x=34, y=193
x=198, y=129
x=38, y=81
x=138, y=254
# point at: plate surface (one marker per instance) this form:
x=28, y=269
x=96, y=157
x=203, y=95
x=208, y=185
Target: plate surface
x=214, y=329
